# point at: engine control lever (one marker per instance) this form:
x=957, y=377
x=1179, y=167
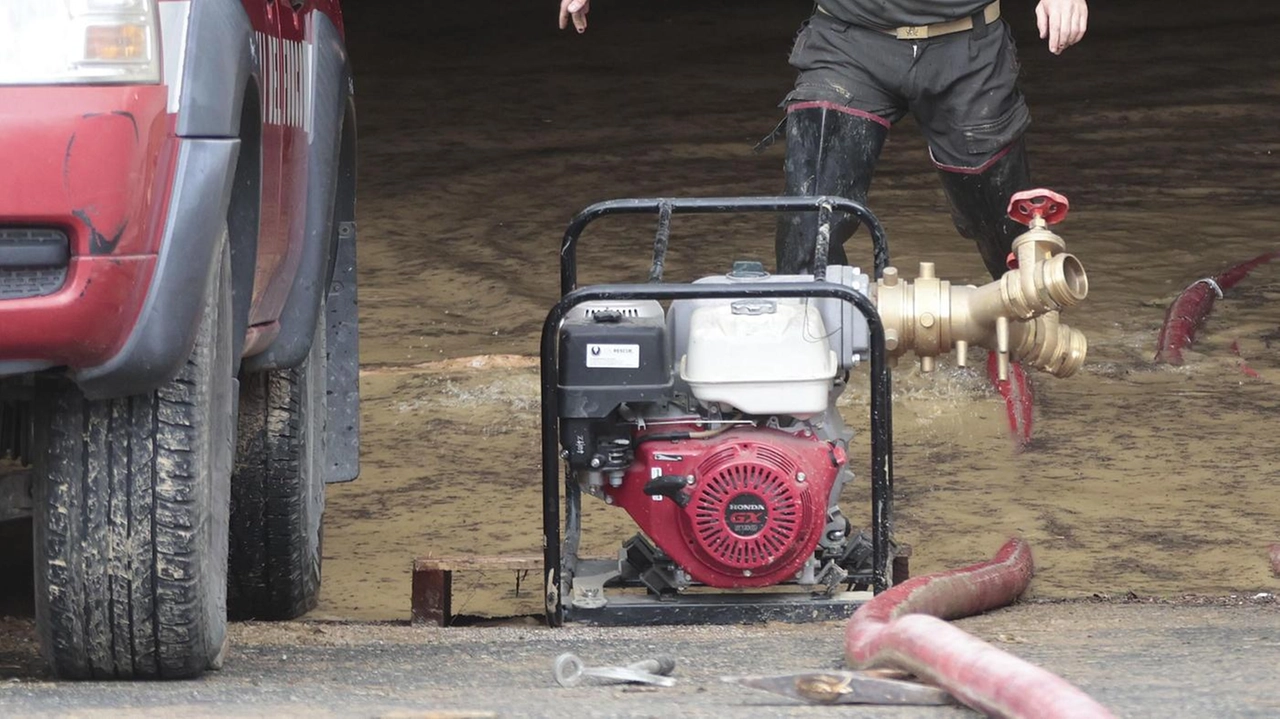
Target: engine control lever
x=569, y=671
x=671, y=486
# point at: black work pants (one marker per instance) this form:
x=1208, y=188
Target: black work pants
x=960, y=88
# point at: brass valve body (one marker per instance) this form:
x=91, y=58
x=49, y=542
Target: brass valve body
x=1016, y=315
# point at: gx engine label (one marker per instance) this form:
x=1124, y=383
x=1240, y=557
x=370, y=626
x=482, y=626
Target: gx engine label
x=746, y=514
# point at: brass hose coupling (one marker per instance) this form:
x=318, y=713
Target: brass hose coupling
x=1016, y=315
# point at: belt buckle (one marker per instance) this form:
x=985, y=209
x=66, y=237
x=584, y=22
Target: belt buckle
x=916, y=32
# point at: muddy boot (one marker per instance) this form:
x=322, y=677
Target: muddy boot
x=979, y=204
x=979, y=208
x=829, y=152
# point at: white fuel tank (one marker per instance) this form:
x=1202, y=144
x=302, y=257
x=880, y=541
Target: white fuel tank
x=761, y=356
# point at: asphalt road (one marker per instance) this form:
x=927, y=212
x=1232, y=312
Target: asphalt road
x=1207, y=659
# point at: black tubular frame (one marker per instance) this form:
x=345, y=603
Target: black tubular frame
x=823, y=205
x=881, y=428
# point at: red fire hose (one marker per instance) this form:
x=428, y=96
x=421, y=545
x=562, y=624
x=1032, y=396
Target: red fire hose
x=903, y=628
x=1019, y=399
x=1189, y=310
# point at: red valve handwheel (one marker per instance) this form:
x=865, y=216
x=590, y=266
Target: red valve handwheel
x=1026, y=206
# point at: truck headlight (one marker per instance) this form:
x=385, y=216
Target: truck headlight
x=79, y=42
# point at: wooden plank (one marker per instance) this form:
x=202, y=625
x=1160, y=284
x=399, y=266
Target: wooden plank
x=459, y=562
x=902, y=564
x=431, y=600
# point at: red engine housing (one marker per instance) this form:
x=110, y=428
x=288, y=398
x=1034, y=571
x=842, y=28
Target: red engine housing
x=756, y=507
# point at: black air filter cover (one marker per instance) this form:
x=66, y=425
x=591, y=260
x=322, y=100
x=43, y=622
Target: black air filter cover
x=610, y=357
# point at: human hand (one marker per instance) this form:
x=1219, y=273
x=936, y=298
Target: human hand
x=577, y=9
x=1062, y=21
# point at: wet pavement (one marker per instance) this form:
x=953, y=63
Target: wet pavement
x=1137, y=660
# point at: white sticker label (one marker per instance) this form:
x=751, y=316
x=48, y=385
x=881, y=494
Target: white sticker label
x=613, y=356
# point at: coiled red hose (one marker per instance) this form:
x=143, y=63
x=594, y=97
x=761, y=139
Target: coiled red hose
x=1189, y=310
x=904, y=629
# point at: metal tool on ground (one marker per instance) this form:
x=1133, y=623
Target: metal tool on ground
x=845, y=687
x=712, y=419
x=570, y=671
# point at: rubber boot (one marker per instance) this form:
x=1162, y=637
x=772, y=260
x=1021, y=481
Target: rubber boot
x=829, y=152
x=980, y=203
x=979, y=209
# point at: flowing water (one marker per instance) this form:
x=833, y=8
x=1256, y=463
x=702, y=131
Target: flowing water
x=484, y=129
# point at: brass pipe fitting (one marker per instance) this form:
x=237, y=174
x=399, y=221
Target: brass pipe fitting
x=1016, y=316
x=1047, y=344
x=1052, y=280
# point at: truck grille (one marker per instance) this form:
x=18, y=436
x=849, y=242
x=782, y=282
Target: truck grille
x=33, y=262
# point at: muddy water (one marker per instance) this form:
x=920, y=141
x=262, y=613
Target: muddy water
x=480, y=141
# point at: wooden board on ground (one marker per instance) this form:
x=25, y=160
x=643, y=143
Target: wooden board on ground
x=432, y=601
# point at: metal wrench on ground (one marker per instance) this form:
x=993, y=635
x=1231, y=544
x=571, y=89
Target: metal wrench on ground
x=569, y=671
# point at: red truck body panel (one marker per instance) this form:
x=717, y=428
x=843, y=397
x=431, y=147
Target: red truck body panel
x=97, y=163
x=284, y=151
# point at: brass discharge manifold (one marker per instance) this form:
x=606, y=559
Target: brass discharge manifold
x=1017, y=315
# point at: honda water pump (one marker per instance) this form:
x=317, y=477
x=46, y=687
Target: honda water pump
x=707, y=412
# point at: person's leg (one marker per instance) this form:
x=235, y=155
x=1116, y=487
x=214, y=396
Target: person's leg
x=830, y=151
x=966, y=99
x=838, y=117
x=980, y=201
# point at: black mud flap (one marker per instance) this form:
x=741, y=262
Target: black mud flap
x=342, y=326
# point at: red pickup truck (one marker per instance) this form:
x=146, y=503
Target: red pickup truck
x=178, y=353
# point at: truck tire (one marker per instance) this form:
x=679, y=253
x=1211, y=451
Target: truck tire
x=277, y=490
x=131, y=507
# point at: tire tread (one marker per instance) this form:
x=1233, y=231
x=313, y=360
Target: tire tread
x=119, y=551
x=274, y=568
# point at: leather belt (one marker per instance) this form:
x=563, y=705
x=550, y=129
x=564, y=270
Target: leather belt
x=990, y=14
